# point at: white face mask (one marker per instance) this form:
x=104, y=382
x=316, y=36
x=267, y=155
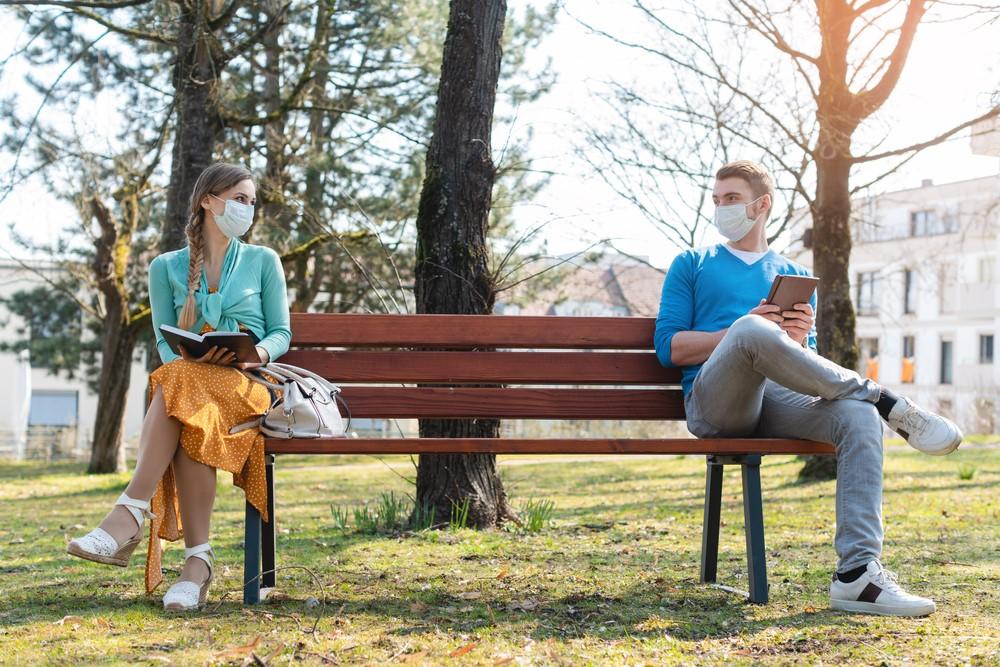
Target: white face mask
x=235, y=219
x=732, y=220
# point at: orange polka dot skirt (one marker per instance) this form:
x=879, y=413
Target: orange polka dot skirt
x=208, y=400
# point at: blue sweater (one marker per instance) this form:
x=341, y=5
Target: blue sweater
x=710, y=288
x=251, y=293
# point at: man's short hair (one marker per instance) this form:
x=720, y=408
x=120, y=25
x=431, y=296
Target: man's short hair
x=756, y=175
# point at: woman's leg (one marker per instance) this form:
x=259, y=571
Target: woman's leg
x=157, y=445
x=196, y=496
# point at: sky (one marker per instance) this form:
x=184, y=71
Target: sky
x=949, y=74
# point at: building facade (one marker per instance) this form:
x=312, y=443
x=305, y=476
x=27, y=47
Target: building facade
x=924, y=277
x=46, y=416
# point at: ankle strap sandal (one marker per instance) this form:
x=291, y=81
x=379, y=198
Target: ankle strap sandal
x=189, y=595
x=100, y=546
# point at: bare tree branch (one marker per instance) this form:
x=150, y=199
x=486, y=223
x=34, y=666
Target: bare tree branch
x=944, y=136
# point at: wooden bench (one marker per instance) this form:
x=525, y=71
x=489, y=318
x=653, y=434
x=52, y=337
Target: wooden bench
x=611, y=371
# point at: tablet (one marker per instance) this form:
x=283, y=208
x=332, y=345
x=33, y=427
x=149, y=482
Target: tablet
x=786, y=291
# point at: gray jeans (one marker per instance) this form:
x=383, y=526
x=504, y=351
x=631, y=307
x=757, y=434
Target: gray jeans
x=759, y=382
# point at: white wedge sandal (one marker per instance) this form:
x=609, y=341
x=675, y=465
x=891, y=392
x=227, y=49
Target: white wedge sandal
x=99, y=546
x=187, y=595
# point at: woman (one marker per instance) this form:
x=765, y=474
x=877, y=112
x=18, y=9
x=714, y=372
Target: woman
x=215, y=283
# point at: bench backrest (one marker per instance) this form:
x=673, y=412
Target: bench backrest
x=608, y=362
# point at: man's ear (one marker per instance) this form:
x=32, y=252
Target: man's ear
x=766, y=203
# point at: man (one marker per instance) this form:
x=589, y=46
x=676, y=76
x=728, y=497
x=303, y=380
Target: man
x=752, y=371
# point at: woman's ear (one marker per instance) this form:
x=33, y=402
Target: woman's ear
x=205, y=201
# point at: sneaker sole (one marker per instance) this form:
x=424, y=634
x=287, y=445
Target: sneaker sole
x=944, y=451
x=858, y=607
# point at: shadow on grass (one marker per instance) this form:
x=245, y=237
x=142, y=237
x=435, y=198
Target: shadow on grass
x=688, y=612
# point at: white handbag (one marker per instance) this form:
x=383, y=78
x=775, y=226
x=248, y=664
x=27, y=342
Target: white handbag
x=306, y=408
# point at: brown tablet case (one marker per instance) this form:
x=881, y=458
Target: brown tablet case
x=788, y=290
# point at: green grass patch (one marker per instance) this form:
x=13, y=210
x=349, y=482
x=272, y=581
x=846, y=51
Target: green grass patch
x=610, y=577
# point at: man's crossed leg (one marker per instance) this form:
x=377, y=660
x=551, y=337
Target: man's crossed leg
x=759, y=382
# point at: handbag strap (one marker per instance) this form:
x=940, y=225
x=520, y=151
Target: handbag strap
x=253, y=375
x=299, y=374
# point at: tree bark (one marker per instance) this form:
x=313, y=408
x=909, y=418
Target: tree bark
x=835, y=319
x=452, y=272
x=198, y=124
x=116, y=375
x=113, y=250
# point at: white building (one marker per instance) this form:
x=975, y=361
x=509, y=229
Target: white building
x=924, y=279
x=44, y=415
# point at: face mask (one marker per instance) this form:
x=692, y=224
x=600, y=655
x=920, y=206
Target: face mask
x=732, y=220
x=235, y=219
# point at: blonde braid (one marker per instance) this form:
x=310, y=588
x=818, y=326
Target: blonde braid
x=196, y=248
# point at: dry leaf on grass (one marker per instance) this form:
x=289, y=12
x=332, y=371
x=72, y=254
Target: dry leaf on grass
x=502, y=574
x=504, y=661
x=72, y=621
x=419, y=607
x=239, y=651
x=470, y=595
x=529, y=604
x=809, y=609
x=462, y=651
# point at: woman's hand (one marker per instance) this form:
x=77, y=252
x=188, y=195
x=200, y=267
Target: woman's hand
x=219, y=356
x=264, y=358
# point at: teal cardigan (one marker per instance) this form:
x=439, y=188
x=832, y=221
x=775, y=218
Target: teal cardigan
x=251, y=292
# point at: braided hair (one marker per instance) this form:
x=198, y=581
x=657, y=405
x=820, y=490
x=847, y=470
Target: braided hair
x=216, y=178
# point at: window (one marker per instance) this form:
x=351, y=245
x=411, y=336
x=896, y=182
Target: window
x=866, y=293
x=908, y=369
x=986, y=349
x=909, y=293
x=868, y=350
x=923, y=223
x=53, y=408
x=946, y=358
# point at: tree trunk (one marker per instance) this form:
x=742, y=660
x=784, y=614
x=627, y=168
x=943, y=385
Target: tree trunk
x=835, y=321
x=116, y=374
x=198, y=124
x=452, y=272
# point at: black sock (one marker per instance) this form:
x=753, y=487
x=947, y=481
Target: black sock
x=852, y=575
x=885, y=402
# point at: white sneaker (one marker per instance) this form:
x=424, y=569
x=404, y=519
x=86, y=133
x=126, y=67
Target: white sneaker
x=923, y=430
x=877, y=591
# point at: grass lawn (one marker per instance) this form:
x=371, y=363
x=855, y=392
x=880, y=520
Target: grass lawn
x=613, y=580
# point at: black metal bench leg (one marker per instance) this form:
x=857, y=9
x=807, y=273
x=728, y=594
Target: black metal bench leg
x=753, y=518
x=267, y=544
x=710, y=527
x=251, y=556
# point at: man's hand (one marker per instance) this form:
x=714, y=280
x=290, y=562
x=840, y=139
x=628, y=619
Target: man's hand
x=798, y=323
x=768, y=312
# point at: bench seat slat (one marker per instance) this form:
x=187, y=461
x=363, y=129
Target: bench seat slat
x=480, y=402
x=625, y=368
x=546, y=446
x=471, y=331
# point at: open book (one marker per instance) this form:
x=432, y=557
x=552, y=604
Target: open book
x=198, y=345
